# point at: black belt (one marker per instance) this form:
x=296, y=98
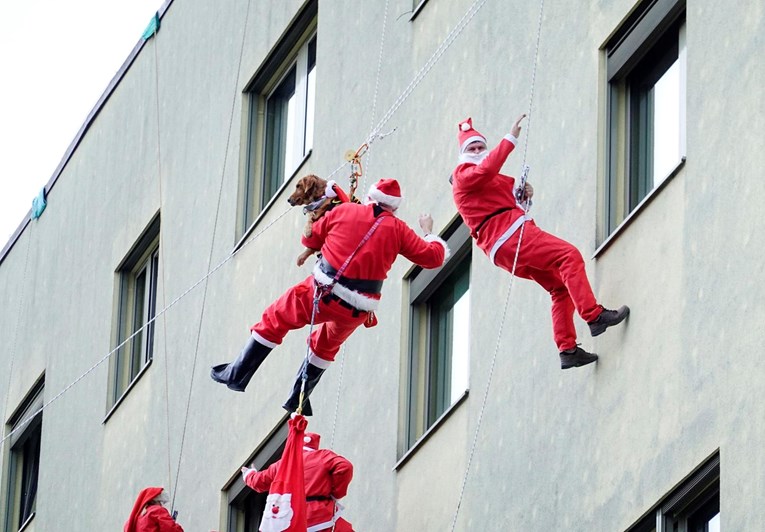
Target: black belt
x=343, y=303
x=368, y=286
x=489, y=217
x=317, y=498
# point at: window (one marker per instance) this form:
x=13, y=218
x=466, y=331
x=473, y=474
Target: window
x=137, y=278
x=645, y=63
x=694, y=506
x=24, y=462
x=439, y=336
x=246, y=506
x=281, y=101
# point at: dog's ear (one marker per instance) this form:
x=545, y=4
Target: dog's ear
x=309, y=184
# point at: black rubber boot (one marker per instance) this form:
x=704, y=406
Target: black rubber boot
x=608, y=318
x=577, y=357
x=238, y=373
x=314, y=374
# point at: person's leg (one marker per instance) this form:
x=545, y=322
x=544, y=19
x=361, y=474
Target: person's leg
x=564, y=331
x=338, y=323
x=547, y=252
x=291, y=311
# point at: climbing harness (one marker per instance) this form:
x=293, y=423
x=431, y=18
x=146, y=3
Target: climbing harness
x=321, y=290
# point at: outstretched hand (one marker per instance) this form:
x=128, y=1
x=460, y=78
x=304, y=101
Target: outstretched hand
x=426, y=223
x=516, y=129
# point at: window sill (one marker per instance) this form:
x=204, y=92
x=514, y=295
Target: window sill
x=416, y=10
x=118, y=402
x=271, y=202
x=638, y=209
x=437, y=423
x=26, y=523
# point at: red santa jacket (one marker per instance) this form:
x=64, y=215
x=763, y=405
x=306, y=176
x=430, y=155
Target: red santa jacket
x=485, y=198
x=338, y=233
x=157, y=519
x=327, y=475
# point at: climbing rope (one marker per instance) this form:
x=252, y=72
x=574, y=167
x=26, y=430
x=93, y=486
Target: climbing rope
x=509, y=292
x=162, y=241
x=234, y=99
x=374, y=135
x=418, y=77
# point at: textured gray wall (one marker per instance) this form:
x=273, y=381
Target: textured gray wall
x=589, y=449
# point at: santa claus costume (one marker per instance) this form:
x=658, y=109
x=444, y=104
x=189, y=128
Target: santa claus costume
x=486, y=200
x=358, y=244
x=327, y=476
x=148, y=514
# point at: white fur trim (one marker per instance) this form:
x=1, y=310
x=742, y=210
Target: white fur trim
x=512, y=138
x=470, y=140
x=258, y=338
x=308, y=448
x=162, y=498
x=381, y=197
x=436, y=238
x=353, y=298
x=330, y=190
x=317, y=361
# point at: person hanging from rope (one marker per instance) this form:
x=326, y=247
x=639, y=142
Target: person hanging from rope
x=359, y=244
x=149, y=514
x=327, y=476
x=488, y=202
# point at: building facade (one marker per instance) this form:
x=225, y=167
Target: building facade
x=167, y=233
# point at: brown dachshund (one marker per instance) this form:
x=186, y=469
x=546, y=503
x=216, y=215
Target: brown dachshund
x=311, y=191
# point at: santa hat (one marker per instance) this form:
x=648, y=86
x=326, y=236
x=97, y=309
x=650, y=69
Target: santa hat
x=311, y=440
x=386, y=192
x=146, y=496
x=467, y=134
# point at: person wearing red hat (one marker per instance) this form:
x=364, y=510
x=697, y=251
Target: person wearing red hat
x=488, y=202
x=148, y=514
x=358, y=243
x=327, y=476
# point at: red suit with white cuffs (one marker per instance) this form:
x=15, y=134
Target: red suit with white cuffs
x=327, y=476
x=337, y=234
x=355, y=262
x=486, y=201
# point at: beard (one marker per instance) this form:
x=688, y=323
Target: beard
x=474, y=158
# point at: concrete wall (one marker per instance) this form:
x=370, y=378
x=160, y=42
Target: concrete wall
x=588, y=449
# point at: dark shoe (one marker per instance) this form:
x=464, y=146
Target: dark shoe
x=608, y=318
x=238, y=373
x=313, y=375
x=575, y=358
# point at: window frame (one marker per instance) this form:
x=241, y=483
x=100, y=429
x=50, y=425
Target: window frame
x=258, y=191
x=131, y=361
x=626, y=52
x=422, y=286
x=694, y=493
x=236, y=493
x=17, y=468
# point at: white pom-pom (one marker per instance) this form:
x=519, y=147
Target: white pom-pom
x=307, y=439
x=464, y=126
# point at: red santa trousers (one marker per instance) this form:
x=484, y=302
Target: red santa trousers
x=293, y=310
x=558, y=267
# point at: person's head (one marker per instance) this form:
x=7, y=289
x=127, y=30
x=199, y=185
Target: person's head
x=472, y=145
x=160, y=499
x=311, y=440
x=386, y=193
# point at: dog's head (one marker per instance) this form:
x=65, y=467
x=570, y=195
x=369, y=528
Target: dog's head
x=309, y=188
